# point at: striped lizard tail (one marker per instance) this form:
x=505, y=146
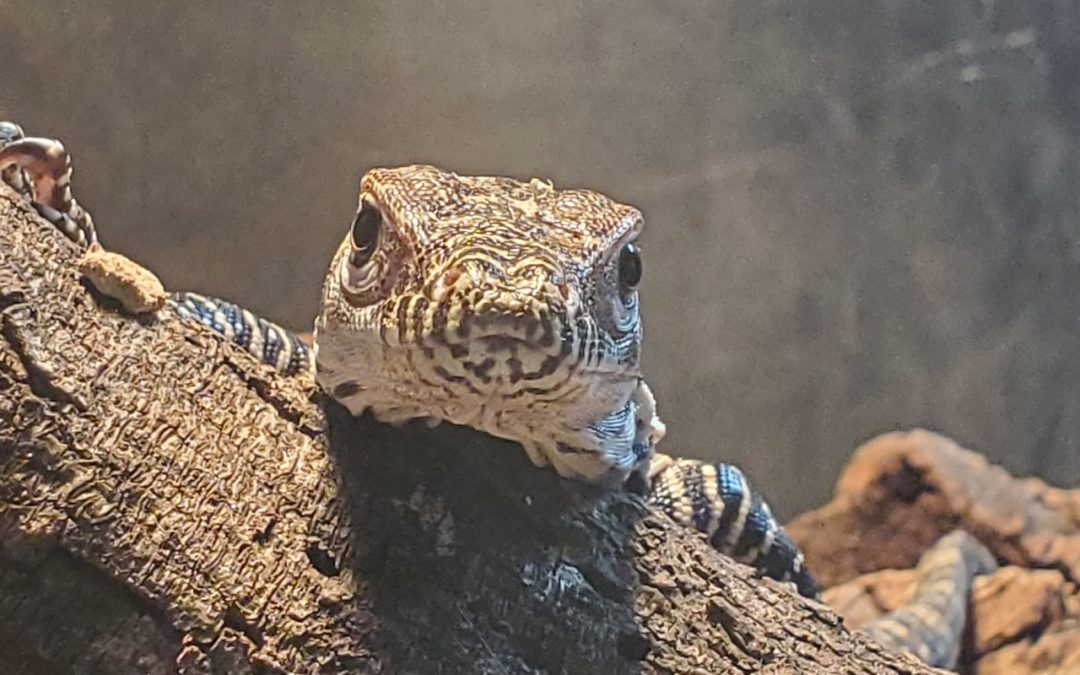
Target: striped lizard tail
x=931, y=625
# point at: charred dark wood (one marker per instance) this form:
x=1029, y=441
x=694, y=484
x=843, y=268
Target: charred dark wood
x=168, y=504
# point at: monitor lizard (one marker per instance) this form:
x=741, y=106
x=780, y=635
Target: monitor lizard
x=508, y=306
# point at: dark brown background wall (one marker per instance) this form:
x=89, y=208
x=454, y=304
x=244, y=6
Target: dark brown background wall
x=862, y=215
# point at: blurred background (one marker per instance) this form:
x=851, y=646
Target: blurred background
x=862, y=215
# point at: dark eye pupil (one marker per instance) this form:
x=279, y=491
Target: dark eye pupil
x=629, y=266
x=365, y=233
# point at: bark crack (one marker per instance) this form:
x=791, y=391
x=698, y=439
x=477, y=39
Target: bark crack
x=283, y=407
x=40, y=375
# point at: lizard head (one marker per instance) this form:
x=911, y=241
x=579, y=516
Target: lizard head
x=507, y=306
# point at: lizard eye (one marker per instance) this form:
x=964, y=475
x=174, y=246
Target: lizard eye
x=365, y=233
x=629, y=267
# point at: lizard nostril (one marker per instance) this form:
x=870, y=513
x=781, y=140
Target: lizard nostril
x=450, y=277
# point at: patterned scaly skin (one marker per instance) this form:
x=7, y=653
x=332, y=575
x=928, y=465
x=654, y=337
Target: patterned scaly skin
x=495, y=304
x=502, y=305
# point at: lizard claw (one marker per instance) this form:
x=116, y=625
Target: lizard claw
x=40, y=169
x=13, y=175
x=717, y=500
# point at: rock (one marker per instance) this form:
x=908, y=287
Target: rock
x=1016, y=602
x=902, y=491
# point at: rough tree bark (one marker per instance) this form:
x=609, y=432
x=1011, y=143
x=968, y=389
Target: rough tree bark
x=168, y=504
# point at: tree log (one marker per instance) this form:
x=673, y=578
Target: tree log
x=167, y=505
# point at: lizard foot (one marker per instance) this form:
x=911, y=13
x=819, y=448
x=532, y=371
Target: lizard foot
x=718, y=500
x=40, y=169
x=13, y=175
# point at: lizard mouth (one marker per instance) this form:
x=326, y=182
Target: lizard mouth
x=509, y=344
x=512, y=335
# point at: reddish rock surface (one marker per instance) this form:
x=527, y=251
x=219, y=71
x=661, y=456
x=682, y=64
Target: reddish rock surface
x=903, y=491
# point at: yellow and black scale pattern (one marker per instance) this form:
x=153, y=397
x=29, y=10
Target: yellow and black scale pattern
x=467, y=228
